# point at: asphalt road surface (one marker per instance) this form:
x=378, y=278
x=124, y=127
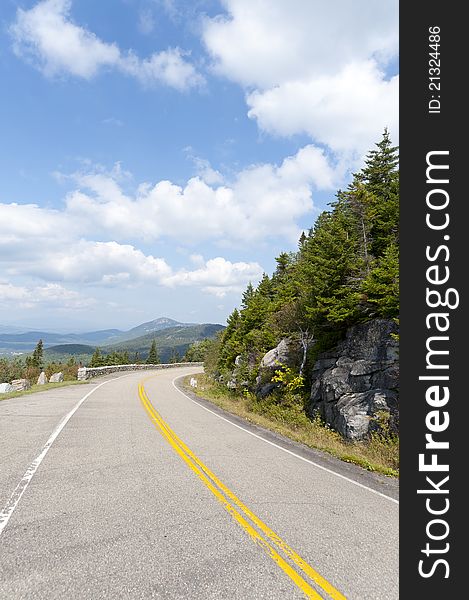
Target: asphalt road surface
x=138, y=491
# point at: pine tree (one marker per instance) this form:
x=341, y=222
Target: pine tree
x=381, y=179
x=380, y=173
x=230, y=341
x=302, y=240
x=174, y=357
x=153, y=357
x=382, y=284
x=97, y=359
x=247, y=296
x=38, y=355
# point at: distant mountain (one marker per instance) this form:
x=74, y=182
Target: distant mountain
x=99, y=337
x=168, y=340
x=12, y=329
x=69, y=349
x=107, y=339
x=27, y=341
x=148, y=328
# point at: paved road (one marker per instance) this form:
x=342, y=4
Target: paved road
x=121, y=508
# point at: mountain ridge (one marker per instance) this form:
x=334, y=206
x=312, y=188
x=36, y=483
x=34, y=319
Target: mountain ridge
x=169, y=340
x=111, y=339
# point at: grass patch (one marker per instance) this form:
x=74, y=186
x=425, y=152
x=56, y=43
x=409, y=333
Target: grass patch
x=379, y=453
x=40, y=388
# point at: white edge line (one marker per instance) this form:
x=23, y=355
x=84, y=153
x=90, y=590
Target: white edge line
x=12, y=503
x=365, y=487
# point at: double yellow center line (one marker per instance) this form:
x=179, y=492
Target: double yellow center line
x=263, y=536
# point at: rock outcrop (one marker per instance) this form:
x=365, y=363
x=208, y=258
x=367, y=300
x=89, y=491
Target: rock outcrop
x=285, y=354
x=239, y=376
x=56, y=378
x=19, y=385
x=355, y=386
x=42, y=379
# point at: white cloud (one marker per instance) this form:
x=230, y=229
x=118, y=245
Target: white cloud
x=146, y=21
x=93, y=240
x=205, y=171
x=46, y=33
x=51, y=294
x=108, y=264
x=102, y=263
x=264, y=43
x=219, y=276
x=346, y=111
x=263, y=201
x=28, y=227
x=167, y=67
x=312, y=67
x=47, y=36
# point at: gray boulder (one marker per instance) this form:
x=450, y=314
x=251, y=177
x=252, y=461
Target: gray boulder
x=42, y=379
x=56, y=378
x=19, y=385
x=283, y=354
x=5, y=388
x=356, y=384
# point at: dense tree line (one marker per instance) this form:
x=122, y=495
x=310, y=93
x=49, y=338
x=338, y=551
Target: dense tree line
x=30, y=366
x=346, y=270
x=102, y=359
x=123, y=357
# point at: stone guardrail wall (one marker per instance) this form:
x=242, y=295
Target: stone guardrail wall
x=85, y=373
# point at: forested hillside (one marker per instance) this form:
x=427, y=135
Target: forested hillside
x=344, y=272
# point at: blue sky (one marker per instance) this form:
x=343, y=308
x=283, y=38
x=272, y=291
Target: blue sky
x=157, y=155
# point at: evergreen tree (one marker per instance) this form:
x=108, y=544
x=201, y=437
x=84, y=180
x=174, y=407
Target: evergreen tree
x=382, y=285
x=97, y=358
x=381, y=179
x=37, y=356
x=344, y=271
x=248, y=294
x=197, y=351
x=174, y=357
x=302, y=240
x=153, y=357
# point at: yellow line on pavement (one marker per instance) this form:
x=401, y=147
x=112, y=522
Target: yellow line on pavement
x=209, y=479
x=300, y=582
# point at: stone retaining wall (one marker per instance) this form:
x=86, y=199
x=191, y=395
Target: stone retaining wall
x=85, y=373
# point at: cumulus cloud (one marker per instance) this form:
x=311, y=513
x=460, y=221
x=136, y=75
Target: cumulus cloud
x=47, y=36
x=265, y=43
x=28, y=228
x=312, y=67
x=93, y=239
x=107, y=264
x=345, y=111
x=51, y=294
x=263, y=201
x=218, y=276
